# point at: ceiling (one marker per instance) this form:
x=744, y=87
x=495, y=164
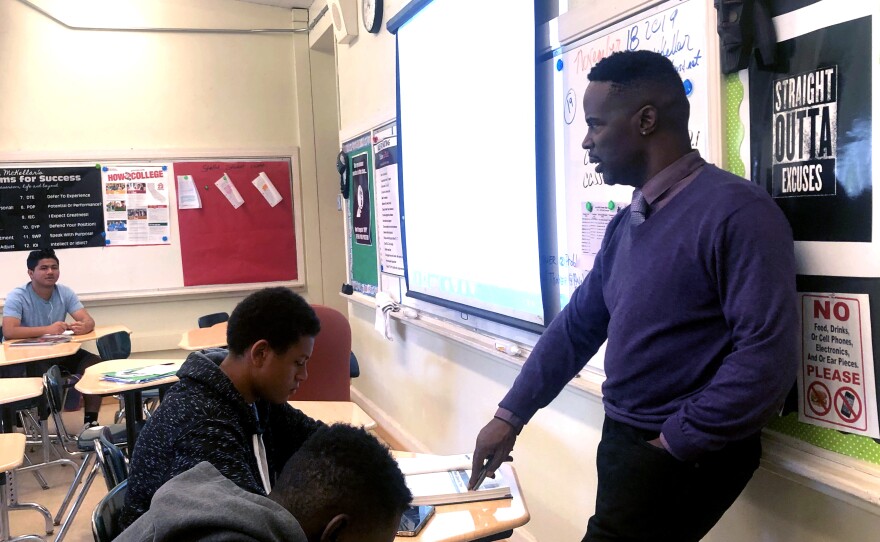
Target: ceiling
x=289, y=4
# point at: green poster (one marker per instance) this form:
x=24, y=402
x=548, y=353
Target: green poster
x=363, y=260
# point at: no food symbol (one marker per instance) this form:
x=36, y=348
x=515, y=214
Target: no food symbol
x=848, y=404
x=819, y=398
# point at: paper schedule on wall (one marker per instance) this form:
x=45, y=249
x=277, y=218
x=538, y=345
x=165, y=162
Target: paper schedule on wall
x=228, y=189
x=265, y=186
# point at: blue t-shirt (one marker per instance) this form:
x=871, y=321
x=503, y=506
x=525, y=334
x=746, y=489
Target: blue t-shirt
x=34, y=311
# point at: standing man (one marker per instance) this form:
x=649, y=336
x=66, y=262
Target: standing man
x=230, y=406
x=694, y=290
x=40, y=307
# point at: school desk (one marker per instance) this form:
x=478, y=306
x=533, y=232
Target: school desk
x=98, y=332
x=331, y=412
x=204, y=337
x=475, y=521
x=11, y=355
x=91, y=384
x=13, y=390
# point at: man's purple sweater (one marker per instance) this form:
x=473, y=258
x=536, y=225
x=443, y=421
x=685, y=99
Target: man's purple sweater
x=699, y=307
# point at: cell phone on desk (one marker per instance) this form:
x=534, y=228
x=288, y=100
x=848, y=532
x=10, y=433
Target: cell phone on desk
x=414, y=519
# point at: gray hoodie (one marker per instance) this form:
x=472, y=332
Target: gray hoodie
x=201, y=504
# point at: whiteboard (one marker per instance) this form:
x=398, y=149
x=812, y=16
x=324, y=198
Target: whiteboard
x=584, y=205
x=140, y=270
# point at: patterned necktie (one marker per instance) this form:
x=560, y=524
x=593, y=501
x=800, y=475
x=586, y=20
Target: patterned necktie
x=638, y=209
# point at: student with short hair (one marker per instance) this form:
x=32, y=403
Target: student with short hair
x=230, y=406
x=41, y=307
x=342, y=485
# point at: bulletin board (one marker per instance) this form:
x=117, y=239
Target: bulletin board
x=361, y=216
x=259, y=245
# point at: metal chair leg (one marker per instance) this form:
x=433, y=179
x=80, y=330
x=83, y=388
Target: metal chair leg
x=73, y=485
x=65, y=525
x=13, y=503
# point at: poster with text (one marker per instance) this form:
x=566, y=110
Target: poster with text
x=836, y=377
x=812, y=117
x=57, y=207
x=385, y=151
x=136, y=204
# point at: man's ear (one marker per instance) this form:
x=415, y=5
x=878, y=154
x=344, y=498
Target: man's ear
x=333, y=530
x=647, y=119
x=31, y=273
x=259, y=352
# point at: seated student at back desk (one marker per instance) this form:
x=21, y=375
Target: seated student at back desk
x=40, y=307
x=341, y=485
x=230, y=406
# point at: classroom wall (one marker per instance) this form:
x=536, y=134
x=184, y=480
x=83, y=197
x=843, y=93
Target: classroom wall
x=435, y=393
x=69, y=93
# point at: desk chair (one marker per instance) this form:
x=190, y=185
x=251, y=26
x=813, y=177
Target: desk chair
x=330, y=365
x=101, y=454
x=105, y=518
x=353, y=366
x=209, y=320
x=118, y=346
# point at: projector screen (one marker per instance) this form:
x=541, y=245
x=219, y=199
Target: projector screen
x=466, y=119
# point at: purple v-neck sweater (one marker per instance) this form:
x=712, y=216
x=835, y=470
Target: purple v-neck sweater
x=699, y=307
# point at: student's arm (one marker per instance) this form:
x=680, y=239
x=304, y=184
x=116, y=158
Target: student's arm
x=288, y=429
x=83, y=322
x=12, y=329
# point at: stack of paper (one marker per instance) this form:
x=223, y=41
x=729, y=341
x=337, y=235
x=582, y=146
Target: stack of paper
x=43, y=340
x=443, y=480
x=143, y=374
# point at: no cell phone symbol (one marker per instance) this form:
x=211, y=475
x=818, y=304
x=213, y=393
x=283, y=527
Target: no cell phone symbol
x=848, y=404
x=570, y=106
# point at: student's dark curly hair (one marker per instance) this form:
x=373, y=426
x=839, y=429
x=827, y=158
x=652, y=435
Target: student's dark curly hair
x=342, y=469
x=36, y=255
x=277, y=315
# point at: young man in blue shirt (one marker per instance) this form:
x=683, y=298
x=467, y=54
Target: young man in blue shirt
x=41, y=307
x=694, y=291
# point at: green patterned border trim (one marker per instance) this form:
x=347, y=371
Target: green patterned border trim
x=734, y=130
x=856, y=446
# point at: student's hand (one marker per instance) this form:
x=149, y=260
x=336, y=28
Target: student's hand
x=78, y=328
x=494, y=443
x=57, y=328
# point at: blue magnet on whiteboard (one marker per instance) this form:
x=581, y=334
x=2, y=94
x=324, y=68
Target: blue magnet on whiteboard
x=107, y=242
x=164, y=237
x=164, y=168
x=103, y=234
x=688, y=87
x=104, y=168
x=559, y=65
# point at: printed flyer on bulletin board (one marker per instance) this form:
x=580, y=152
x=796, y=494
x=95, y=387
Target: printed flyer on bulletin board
x=136, y=204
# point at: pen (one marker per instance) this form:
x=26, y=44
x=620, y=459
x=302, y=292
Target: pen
x=484, y=470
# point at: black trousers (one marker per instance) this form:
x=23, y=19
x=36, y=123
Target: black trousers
x=646, y=494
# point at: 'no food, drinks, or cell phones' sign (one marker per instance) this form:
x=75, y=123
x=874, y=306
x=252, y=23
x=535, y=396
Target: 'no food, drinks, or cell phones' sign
x=836, y=376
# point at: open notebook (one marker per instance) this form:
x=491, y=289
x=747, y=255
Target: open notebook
x=436, y=479
x=143, y=374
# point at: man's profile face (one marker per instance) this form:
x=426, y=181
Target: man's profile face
x=45, y=273
x=613, y=138
x=282, y=373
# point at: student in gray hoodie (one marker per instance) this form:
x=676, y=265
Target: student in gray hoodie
x=341, y=486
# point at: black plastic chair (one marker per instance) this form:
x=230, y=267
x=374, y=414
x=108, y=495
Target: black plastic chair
x=209, y=320
x=354, y=370
x=105, y=518
x=114, y=346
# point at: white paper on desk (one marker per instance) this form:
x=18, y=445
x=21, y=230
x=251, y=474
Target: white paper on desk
x=187, y=194
x=265, y=186
x=433, y=463
x=225, y=185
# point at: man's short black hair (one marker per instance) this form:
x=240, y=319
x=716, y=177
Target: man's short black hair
x=36, y=255
x=277, y=315
x=342, y=469
x=647, y=74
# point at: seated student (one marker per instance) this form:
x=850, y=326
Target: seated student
x=341, y=485
x=230, y=406
x=40, y=307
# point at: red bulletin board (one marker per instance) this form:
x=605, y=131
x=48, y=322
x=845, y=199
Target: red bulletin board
x=223, y=245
